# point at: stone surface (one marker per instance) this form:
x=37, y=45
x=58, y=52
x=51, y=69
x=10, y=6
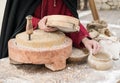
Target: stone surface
x=49, y=48
x=40, y=39
x=73, y=73
x=54, y=58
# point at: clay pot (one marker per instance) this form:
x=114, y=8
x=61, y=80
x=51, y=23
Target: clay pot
x=100, y=61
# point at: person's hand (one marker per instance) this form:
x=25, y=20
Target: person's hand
x=91, y=45
x=42, y=25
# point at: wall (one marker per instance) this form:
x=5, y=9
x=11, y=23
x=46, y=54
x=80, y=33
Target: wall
x=2, y=6
x=108, y=4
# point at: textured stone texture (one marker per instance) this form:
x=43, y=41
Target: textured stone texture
x=49, y=48
x=54, y=58
x=40, y=39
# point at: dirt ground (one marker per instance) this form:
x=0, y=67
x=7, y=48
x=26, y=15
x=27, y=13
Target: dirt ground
x=73, y=73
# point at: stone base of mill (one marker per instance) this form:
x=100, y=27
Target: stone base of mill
x=54, y=58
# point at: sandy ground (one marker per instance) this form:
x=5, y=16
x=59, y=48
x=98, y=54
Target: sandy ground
x=73, y=73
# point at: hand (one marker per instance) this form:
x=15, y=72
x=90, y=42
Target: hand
x=42, y=25
x=91, y=45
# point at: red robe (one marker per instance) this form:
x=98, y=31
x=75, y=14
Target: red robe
x=49, y=7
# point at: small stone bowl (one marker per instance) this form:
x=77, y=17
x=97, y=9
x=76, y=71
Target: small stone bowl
x=100, y=61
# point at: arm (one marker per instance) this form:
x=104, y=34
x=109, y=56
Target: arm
x=80, y=39
x=91, y=45
x=78, y=36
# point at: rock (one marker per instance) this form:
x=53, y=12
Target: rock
x=52, y=50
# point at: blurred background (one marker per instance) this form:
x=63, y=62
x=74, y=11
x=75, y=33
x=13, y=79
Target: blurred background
x=108, y=10
x=101, y=4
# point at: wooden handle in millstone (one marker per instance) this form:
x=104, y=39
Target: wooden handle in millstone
x=29, y=27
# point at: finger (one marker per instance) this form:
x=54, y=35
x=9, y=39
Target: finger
x=42, y=23
x=50, y=29
x=98, y=48
x=43, y=28
x=95, y=47
x=90, y=49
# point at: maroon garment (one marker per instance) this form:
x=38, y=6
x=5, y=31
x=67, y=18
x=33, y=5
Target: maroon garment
x=48, y=8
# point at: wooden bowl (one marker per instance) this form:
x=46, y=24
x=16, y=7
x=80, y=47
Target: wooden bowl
x=78, y=55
